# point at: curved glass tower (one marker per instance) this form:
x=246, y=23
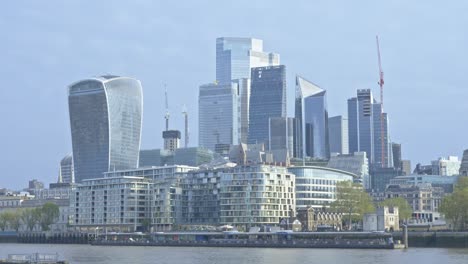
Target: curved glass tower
x=312, y=115
x=105, y=120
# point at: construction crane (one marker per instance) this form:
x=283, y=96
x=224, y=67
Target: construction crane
x=381, y=84
x=185, y=113
x=167, y=115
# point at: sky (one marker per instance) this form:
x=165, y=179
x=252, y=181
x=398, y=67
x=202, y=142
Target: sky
x=47, y=45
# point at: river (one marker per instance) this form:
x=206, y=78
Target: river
x=181, y=255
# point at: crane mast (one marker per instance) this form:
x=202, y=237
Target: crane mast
x=185, y=113
x=381, y=84
x=167, y=115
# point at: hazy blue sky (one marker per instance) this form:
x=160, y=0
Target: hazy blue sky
x=47, y=45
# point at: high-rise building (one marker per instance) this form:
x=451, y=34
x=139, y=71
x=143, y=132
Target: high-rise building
x=267, y=100
x=406, y=167
x=396, y=154
x=171, y=139
x=66, y=171
x=236, y=56
x=365, y=125
x=218, y=116
x=281, y=134
x=312, y=115
x=464, y=164
x=446, y=166
x=381, y=154
x=338, y=134
x=105, y=119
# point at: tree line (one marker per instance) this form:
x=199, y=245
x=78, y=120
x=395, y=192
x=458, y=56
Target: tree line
x=455, y=206
x=41, y=217
x=353, y=202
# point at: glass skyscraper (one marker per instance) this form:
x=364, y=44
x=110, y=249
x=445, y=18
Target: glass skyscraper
x=267, y=100
x=338, y=134
x=105, y=120
x=234, y=59
x=236, y=56
x=218, y=115
x=364, y=121
x=312, y=115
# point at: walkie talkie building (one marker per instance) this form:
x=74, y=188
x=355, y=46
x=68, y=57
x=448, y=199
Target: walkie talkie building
x=105, y=120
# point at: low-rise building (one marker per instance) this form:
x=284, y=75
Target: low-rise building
x=316, y=186
x=314, y=219
x=256, y=195
x=117, y=203
x=383, y=219
x=356, y=163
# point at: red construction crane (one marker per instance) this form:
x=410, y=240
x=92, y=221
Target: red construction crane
x=381, y=84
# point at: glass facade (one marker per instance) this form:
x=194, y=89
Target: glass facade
x=338, y=134
x=316, y=186
x=267, y=100
x=312, y=113
x=105, y=120
x=364, y=118
x=218, y=119
x=236, y=56
x=281, y=134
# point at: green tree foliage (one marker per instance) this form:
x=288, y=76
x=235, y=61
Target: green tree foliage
x=352, y=201
x=3, y=221
x=14, y=220
x=49, y=214
x=455, y=205
x=404, y=209
x=30, y=217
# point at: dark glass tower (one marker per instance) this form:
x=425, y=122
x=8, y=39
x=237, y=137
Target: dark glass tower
x=105, y=120
x=267, y=100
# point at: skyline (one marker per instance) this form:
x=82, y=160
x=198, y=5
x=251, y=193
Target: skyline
x=421, y=52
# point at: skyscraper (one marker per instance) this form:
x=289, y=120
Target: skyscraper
x=105, y=120
x=235, y=57
x=267, y=100
x=281, y=134
x=312, y=115
x=396, y=154
x=218, y=115
x=338, y=134
x=364, y=121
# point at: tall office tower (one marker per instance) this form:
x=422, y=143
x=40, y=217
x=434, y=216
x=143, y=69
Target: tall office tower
x=105, y=119
x=234, y=59
x=387, y=148
x=281, y=134
x=396, y=154
x=338, y=134
x=267, y=100
x=218, y=115
x=236, y=56
x=66, y=171
x=243, y=103
x=312, y=114
x=464, y=164
x=360, y=122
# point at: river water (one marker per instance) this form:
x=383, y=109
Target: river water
x=182, y=255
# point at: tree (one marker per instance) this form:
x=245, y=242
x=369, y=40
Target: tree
x=3, y=221
x=14, y=220
x=404, y=209
x=352, y=200
x=49, y=214
x=455, y=205
x=30, y=217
